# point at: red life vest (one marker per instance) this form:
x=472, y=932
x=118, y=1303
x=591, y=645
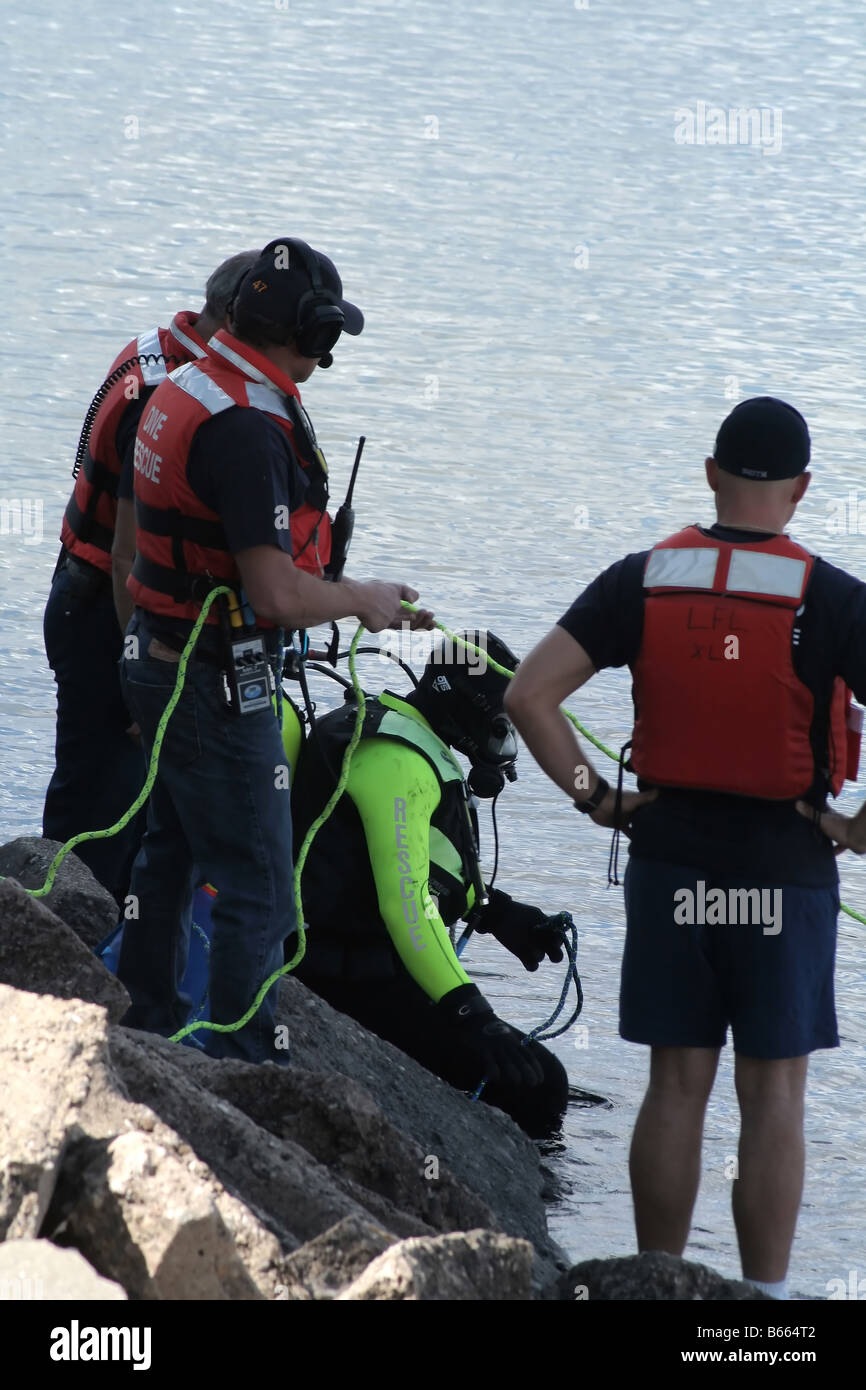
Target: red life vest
x=181, y=546
x=88, y=524
x=718, y=704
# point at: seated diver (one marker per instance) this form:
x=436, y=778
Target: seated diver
x=396, y=865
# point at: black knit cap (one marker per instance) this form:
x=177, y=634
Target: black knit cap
x=764, y=439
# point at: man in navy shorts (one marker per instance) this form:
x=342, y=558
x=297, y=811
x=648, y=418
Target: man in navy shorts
x=744, y=648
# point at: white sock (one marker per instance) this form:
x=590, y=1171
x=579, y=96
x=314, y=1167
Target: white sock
x=779, y=1290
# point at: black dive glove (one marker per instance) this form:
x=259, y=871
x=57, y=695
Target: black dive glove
x=522, y=930
x=501, y=1054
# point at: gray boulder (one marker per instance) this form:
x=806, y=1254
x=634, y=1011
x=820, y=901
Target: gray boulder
x=36, y=1269
x=354, y=1131
x=471, y=1266
x=77, y=897
x=324, y=1267
x=295, y=1196
x=42, y=954
x=654, y=1276
x=478, y=1145
x=333, y=1118
x=49, y=1050
x=146, y=1216
x=140, y=1212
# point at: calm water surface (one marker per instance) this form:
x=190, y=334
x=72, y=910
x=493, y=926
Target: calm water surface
x=563, y=300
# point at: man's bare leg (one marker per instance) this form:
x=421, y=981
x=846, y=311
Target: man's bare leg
x=665, y=1159
x=766, y=1196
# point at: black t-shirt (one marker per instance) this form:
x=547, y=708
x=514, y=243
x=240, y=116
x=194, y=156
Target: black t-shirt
x=760, y=842
x=243, y=467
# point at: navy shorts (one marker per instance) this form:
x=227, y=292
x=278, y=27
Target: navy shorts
x=703, y=951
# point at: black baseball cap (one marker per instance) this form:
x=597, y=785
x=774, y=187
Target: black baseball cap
x=764, y=439
x=275, y=285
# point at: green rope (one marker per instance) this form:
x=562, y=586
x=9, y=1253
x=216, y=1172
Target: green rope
x=154, y=757
x=504, y=671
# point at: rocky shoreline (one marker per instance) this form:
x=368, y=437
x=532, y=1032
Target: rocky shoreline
x=131, y=1167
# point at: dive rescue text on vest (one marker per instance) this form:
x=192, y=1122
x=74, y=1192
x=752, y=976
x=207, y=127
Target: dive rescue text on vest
x=147, y=460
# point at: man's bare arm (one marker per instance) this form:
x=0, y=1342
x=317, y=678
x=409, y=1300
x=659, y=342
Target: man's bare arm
x=554, y=670
x=281, y=593
x=122, y=556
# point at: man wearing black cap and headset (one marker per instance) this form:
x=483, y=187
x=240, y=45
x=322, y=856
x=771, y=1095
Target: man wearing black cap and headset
x=225, y=462
x=404, y=835
x=744, y=648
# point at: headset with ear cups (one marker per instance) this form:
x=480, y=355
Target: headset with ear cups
x=318, y=319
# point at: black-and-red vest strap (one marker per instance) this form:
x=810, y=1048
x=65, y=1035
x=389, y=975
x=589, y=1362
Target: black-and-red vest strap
x=181, y=547
x=88, y=524
x=719, y=705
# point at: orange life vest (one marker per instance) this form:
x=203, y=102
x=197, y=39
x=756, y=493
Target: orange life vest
x=89, y=520
x=181, y=547
x=718, y=703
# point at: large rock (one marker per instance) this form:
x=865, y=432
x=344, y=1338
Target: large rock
x=68, y=1170
x=77, y=897
x=480, y=1146
x=36, y=1269
x=279, y=1180
x=41, y=954
x=471, y=1266
x=354, y=1129
x=324, y=1267
x=653, y=1276
x=144, y=1213
x=49, y=1050
x=332, y=1117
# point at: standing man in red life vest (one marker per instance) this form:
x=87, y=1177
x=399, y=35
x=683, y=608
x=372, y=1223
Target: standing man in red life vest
x=99, y=765
x=219, y=483
x=743, y=647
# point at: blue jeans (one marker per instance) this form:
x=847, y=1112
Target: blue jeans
x=99, y=769
x=220, y=813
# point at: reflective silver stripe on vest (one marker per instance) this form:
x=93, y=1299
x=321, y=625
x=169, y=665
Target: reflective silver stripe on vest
x=231, y=356
x=778, y=576
x=191, y=346
x=266, y=398
x=681, y=568
x=152, y=373
x=201, y=388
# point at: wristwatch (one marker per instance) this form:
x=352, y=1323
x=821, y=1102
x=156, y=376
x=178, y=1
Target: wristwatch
x=592, y=803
